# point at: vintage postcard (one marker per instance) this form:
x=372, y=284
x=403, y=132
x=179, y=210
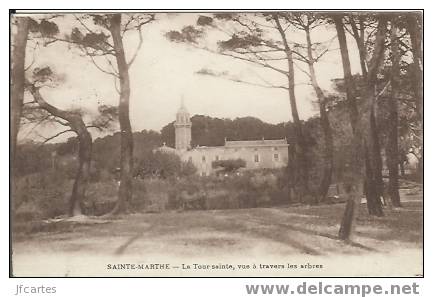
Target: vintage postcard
x=216, y=143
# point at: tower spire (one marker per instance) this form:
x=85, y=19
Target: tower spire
x=182, y=127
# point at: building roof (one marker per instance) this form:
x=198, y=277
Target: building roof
x=263, y=142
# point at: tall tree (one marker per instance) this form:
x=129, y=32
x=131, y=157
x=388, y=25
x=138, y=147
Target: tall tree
x=354, y=175
x=369, y=142
x=102, y=40
x=392, y=151
x=126, y=140
x=300, y=149
x=308, y=22
x=362, y=25
x=73, y=120
x=18, y=78
x=375, y=184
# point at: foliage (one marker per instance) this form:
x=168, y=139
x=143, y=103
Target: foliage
x=162, y=165
x=230, y=165
x=41, y=195
x=187, y=34
x=208, y=131
x=44, y=27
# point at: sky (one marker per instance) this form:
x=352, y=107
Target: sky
x=164, y=72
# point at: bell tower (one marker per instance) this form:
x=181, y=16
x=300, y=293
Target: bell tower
x=182, y=128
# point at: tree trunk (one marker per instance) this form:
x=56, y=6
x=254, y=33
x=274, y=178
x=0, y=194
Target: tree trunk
x=18, y=80
x=301, y=163
x=126, y=140
x=353, y=178
x=374, y=205
x=373, y=176
x=359, y=35
x=76, y=123
x=375, y=158
x=83, y=172
x=324, y=122
x=402, y=169
x=290, y=169
x=376, y=153
x=392, y=156
x=346, y=224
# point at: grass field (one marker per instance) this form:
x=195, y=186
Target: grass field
x=272, y=239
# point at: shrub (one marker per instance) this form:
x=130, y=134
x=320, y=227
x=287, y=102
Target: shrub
x=100, y=197
x=230, y=165
x=151, y=195
x=40, y=195
x=162, y=165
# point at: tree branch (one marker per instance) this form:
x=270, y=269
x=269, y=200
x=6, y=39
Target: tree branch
x=264, y=64
x=91, y=31
x=56, y=135
x=378, y=95
x=140, y=43
x=99, y=67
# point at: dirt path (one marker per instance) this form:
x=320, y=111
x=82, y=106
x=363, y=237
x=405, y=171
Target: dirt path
x=272, y=239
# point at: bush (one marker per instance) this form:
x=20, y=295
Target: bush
x=151, y=195
x=250, y=189
x=162, y=165
x=45, y=195
x=40, y=195
x=230, y=165
x=100, y=197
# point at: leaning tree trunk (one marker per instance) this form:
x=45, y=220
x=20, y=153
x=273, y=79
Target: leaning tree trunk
x=18, y=79
x=126, y=140
x=76, y=123
x=353, y=178
x=324, y=122
x=301, y=160
x=392, y=156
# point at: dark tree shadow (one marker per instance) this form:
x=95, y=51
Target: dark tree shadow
x=330, y=236
x=121, y=249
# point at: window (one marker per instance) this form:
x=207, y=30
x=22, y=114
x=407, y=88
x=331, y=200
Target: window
x=203, y=159
x=275, y=149
x=256, y=158
x=276, y=157
x=217, y=158
x=190, y=159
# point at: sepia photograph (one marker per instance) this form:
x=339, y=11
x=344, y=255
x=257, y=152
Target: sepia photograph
x=216, y=143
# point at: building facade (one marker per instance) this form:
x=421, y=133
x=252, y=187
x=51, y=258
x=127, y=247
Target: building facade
x=256, y=153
